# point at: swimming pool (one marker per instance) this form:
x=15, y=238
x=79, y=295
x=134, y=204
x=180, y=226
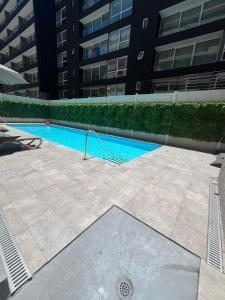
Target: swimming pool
x=115, y=149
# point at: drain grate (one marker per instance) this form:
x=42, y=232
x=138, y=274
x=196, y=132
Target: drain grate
x=16, y=269
x=124, y=289
x=215, y=257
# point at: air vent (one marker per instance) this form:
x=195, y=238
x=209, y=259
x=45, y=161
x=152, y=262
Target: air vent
x=214, y=258
x=16, y=269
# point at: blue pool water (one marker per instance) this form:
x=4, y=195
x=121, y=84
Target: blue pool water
x=127, y=149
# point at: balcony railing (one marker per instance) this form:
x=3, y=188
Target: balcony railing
x=24, y=64
x=10, y=13
x=191, y=82
x=16, y=50
x=23, y=22
x=96, y=27
x=96, y=52
x=107, y=20
x=87, y=4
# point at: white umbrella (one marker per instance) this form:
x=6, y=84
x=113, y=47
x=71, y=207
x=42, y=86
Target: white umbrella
x=10, y=77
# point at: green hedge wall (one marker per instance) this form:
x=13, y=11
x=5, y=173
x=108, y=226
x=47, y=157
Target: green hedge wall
x=24, y=110
x=193, y=120
x=198, y=121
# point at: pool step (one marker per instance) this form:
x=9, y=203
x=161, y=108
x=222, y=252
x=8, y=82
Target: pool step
x=117, y=160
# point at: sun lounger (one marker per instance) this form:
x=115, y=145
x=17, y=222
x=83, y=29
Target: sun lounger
x=219, y=160
x=9, y=144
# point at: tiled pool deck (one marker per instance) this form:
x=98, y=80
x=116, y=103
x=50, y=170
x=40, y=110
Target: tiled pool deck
x=49, y=196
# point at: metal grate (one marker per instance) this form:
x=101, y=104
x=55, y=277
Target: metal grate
x=16, y=269
x=215, y=257
x=124, y=289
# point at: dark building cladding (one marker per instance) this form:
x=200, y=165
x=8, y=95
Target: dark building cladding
x=28, y=45
x=91, y=48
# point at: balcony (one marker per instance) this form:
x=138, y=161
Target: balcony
x=22, y=22
x=25, y=64
x=88, y=3
x=9, y=14
x=14, y=51
x=95, y=26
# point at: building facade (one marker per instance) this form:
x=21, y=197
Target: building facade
x=28, y=45
x=113, y=47
x=89, y=48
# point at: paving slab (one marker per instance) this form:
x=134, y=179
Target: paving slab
x=117, y=247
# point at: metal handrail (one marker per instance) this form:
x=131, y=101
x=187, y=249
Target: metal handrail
x=100, y=139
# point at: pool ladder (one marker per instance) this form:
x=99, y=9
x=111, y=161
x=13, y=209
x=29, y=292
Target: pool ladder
x=113, y=158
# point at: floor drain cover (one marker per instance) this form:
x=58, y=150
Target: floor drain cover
x=16, y=268
x=124, y=289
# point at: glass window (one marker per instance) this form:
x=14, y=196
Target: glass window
x=190, y=18
x=117, y=67
x=206, y=52
x=61, y=39
x=61, y=59
x=60, y=16
x=183, y=57
x=95, y=73
x=207, y=11
x=62, y=78
x=170, y=24
x=120, y=9
x=213, y=10
x=164, y=60
x=119, y=39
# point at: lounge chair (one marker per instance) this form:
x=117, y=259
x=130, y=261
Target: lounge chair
x=9, y=144
x=220, y=158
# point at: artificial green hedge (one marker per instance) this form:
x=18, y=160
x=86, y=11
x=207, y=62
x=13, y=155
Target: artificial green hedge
x=198, y=121
x=24, y=110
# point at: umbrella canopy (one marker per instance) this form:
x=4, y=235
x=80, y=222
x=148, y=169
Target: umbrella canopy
x=10, y=77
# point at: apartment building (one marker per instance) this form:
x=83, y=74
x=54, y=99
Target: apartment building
x=27, y=45
x=88, y=48
x=114, y=47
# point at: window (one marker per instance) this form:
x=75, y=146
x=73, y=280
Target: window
x=61, y=39
x=169, y=24
x=140, y=55
x=99, y=91
x=103, y=91
x=223, y=56
x=94, y=73
x=205, y=12
x=117, y=67
x=145, y=23
x=206, y=52
x=119, y=39
x=62, y=78
x=96, y=24
x=185, y=56
x=63, y=94
x=95, y=50
x=120, y=9
x=116, y=89
x=61, y=59
x=60, y=16
x=190, y=18
x=213, y=10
